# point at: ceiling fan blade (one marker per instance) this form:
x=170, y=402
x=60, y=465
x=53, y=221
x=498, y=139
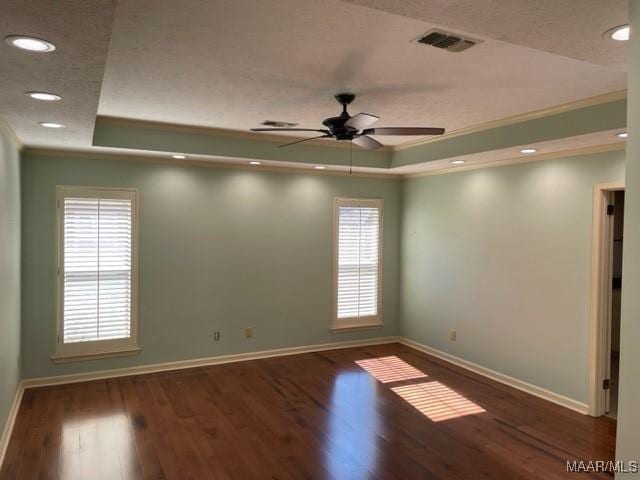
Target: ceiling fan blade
x=404, y=131
x=304, y=140
x=288, y=130
x=367, y=143
x=361, y=121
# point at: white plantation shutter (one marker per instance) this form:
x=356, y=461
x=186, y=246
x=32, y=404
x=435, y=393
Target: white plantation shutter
x=357, y=262
x=96, y=270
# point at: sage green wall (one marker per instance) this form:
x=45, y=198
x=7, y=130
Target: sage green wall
x=220, y=249
x=9, y=275
x=628, y=434
x=503, y=256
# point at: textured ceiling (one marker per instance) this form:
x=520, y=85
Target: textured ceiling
x=231, y=64
x=234, y=63
x=571, y=28
x=81, y=30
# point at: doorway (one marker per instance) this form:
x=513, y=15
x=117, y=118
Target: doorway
x=608, y=229
x=611, y=404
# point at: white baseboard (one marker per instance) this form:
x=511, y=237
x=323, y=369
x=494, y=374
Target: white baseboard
x=500, y=377
x=200, y=362
x=11, y=420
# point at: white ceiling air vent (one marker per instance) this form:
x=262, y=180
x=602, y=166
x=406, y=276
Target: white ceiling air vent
x=451, y=42
x=278, y=124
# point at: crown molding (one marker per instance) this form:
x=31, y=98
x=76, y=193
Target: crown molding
x=13, y=138
x=213, y=163
x=573, y=152
x=130, y=157
x=523, y=117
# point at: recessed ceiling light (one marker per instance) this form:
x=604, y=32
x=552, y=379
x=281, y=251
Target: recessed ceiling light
x=52, y=125
x=31, y=44
x=619, y=33
x=528, y=150
x=255, y=162
x=623, y=135
x=44, y=96
x=319, y=167
x=457, y=162
x=179, y=157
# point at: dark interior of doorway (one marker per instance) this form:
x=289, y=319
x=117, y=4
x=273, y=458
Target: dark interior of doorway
x=616, y=286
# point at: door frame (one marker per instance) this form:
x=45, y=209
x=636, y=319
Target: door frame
x=601, y=273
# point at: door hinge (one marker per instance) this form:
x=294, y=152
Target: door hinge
x=606, y=384
x=610, y=209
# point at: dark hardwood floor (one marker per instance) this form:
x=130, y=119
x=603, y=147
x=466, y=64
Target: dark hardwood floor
x=319, y=416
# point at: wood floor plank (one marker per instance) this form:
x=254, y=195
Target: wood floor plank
x=310, y=416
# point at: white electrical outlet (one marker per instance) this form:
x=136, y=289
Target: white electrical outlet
x=452, y=335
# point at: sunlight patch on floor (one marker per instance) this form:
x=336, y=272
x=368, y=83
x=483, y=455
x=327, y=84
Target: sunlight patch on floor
x=390, y=369
x=437, y=401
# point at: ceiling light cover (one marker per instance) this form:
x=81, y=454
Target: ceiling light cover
x=619, y=33
x=623, y=135
x=528, y=150
x=32, y=44
x=179, y=157
x=457, y=162
x=255, y=162
x=44, y=96
x=319, y=167
x=52, y=125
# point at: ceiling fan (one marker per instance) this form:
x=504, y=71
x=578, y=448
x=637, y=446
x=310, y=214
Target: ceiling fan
x=356, y=129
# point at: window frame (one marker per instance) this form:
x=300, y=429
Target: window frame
x=370, y=321
x=94, y=348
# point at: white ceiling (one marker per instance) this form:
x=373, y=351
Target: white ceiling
x=81, y=32
x=233, y=63
x=571, y=28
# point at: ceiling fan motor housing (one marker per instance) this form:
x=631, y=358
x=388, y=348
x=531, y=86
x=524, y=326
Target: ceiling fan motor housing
x=345, y=98
x=336, y=124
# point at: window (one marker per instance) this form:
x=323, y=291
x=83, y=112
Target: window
x=357, y=263
x=97, y=271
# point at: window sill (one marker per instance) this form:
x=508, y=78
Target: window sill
x=356, y=328
x=94, y=356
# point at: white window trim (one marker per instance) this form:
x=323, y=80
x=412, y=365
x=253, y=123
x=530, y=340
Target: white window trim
x=356, y=323
x=99, y=348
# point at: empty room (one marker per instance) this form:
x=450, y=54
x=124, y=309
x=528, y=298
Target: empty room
x=319, y=239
